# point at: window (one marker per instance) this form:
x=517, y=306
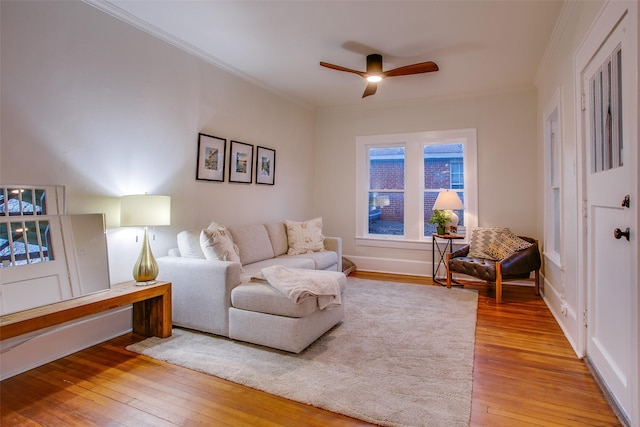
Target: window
x=399, y=178
x=553, y=179
x=23, y=242
x=25, y=232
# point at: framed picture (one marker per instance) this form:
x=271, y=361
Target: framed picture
x=265, y=165
x=211, y=155
x=241, y=162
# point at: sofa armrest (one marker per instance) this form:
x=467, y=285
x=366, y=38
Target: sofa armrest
x=201, y=291
x=334, y=244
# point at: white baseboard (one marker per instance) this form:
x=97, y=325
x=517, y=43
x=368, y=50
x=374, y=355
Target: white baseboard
x=410, y=268
x=31, y=350
x=390, y=265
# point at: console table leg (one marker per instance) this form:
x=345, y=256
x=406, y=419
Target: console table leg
x=152, y=317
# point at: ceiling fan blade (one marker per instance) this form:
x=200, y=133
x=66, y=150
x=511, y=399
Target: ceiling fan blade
x=339, y=68
x=370, y=89
x=422, y=67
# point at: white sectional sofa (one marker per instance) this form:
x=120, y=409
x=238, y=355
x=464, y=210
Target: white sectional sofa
x=220, y=297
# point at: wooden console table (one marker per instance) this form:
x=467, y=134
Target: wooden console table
x=151, y=310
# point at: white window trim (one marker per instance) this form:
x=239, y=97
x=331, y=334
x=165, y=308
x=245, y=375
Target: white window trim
x=553, y=109
x=414, y=215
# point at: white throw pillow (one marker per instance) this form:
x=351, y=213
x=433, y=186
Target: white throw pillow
x=304, y=237
x=189, y=244
x=217, y=244
x=215, y=226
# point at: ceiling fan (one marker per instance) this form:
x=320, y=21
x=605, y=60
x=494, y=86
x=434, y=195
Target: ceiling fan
x=374, y=73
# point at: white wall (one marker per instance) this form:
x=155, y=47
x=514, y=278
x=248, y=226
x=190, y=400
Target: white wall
x=564, y=283
x=509, y=178
x=104, y=109
x=557, y=75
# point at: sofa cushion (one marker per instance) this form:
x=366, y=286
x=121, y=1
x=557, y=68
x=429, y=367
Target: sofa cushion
x=305, y=236
x=253, y=242
x=253, y=269
x=264, y=298
x=217, y=244
x=261, y=297
x=322, y=260
x=278, y=235
x=481, y=238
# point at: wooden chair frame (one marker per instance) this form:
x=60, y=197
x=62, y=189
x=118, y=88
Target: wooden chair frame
x=499, y=279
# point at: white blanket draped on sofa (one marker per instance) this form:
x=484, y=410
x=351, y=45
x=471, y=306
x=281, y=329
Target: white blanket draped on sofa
x=298, y=284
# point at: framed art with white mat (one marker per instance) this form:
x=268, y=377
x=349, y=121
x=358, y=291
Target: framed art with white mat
x=265, y=165
x=241, y=162
x=211, y=158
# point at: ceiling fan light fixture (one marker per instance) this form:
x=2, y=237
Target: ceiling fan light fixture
x=374, y=74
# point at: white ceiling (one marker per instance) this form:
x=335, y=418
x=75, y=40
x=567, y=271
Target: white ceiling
x=479, y=45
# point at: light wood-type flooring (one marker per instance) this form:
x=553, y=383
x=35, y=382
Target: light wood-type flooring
x=525, y=374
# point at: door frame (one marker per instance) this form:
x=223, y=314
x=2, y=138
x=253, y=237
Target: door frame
x=609, y=16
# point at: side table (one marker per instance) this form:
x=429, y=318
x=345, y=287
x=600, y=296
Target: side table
x=448, y=243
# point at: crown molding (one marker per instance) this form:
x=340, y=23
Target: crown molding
x=124, y=16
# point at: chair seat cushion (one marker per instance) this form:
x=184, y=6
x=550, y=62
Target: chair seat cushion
x=481, y=268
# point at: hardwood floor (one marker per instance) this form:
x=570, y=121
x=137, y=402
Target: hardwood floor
x=525, y=374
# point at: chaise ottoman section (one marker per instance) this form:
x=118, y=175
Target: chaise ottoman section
x=261, y=314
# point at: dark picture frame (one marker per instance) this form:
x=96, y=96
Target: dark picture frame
x=241, y=162
x=211, y=158
x=265, y=165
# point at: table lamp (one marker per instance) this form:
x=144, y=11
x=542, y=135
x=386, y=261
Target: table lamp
x=144, y=210
x=449, y=201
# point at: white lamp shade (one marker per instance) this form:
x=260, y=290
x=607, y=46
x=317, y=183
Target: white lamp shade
x=145, y=210
x=383, y=201
x=448, y=200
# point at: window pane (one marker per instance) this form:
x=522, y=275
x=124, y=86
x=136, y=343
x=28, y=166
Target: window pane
x=429, y=201
x=14, y=205
x=5, y=251
x=386, y=213
x=443, y=166
x=605, y=97
x=21, y=201
x=556, y=220
x=386, y=168
x=29, y=243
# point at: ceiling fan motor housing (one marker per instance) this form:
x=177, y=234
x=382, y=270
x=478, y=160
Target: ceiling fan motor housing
x=374, y=64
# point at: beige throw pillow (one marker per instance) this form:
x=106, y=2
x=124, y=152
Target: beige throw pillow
x=506, y=245
x=481, y=238
x=217, y=244
x=304, y=237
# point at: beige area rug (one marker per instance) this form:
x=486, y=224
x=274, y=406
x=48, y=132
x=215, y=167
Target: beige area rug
x=403, y=356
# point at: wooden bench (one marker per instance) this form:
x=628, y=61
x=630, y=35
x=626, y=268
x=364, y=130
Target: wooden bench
x=151, y=310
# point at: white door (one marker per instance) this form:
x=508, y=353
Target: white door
x=609, y=104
